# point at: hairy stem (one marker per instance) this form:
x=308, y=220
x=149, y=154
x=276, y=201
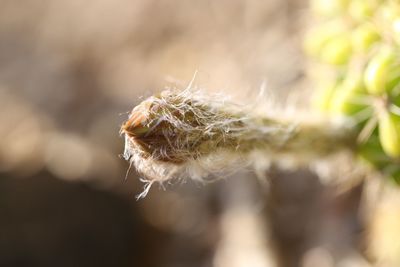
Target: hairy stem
x=301, y=140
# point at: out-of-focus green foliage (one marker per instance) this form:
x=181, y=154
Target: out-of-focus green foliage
x=357, y=43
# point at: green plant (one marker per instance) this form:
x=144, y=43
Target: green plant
x=359, y=49
x=356, y=43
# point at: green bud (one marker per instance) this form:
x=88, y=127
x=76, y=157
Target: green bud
x=337, y=51
x=345, y=97
x=389, y=133
x=364, y=37
x=379, y=74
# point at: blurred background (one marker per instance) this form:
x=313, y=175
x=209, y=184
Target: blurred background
x=71, y=70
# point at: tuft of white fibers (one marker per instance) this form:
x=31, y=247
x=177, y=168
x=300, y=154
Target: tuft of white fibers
x=178, y=134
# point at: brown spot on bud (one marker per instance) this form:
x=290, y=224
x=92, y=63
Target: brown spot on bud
x=136, y=124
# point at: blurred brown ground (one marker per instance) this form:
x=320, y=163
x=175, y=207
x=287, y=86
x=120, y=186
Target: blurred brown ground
x=70, y=71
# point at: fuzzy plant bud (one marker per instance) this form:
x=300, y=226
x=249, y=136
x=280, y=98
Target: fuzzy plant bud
x=173, y=128
x=186, y=132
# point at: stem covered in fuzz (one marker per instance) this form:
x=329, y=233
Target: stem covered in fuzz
x=173, y=131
